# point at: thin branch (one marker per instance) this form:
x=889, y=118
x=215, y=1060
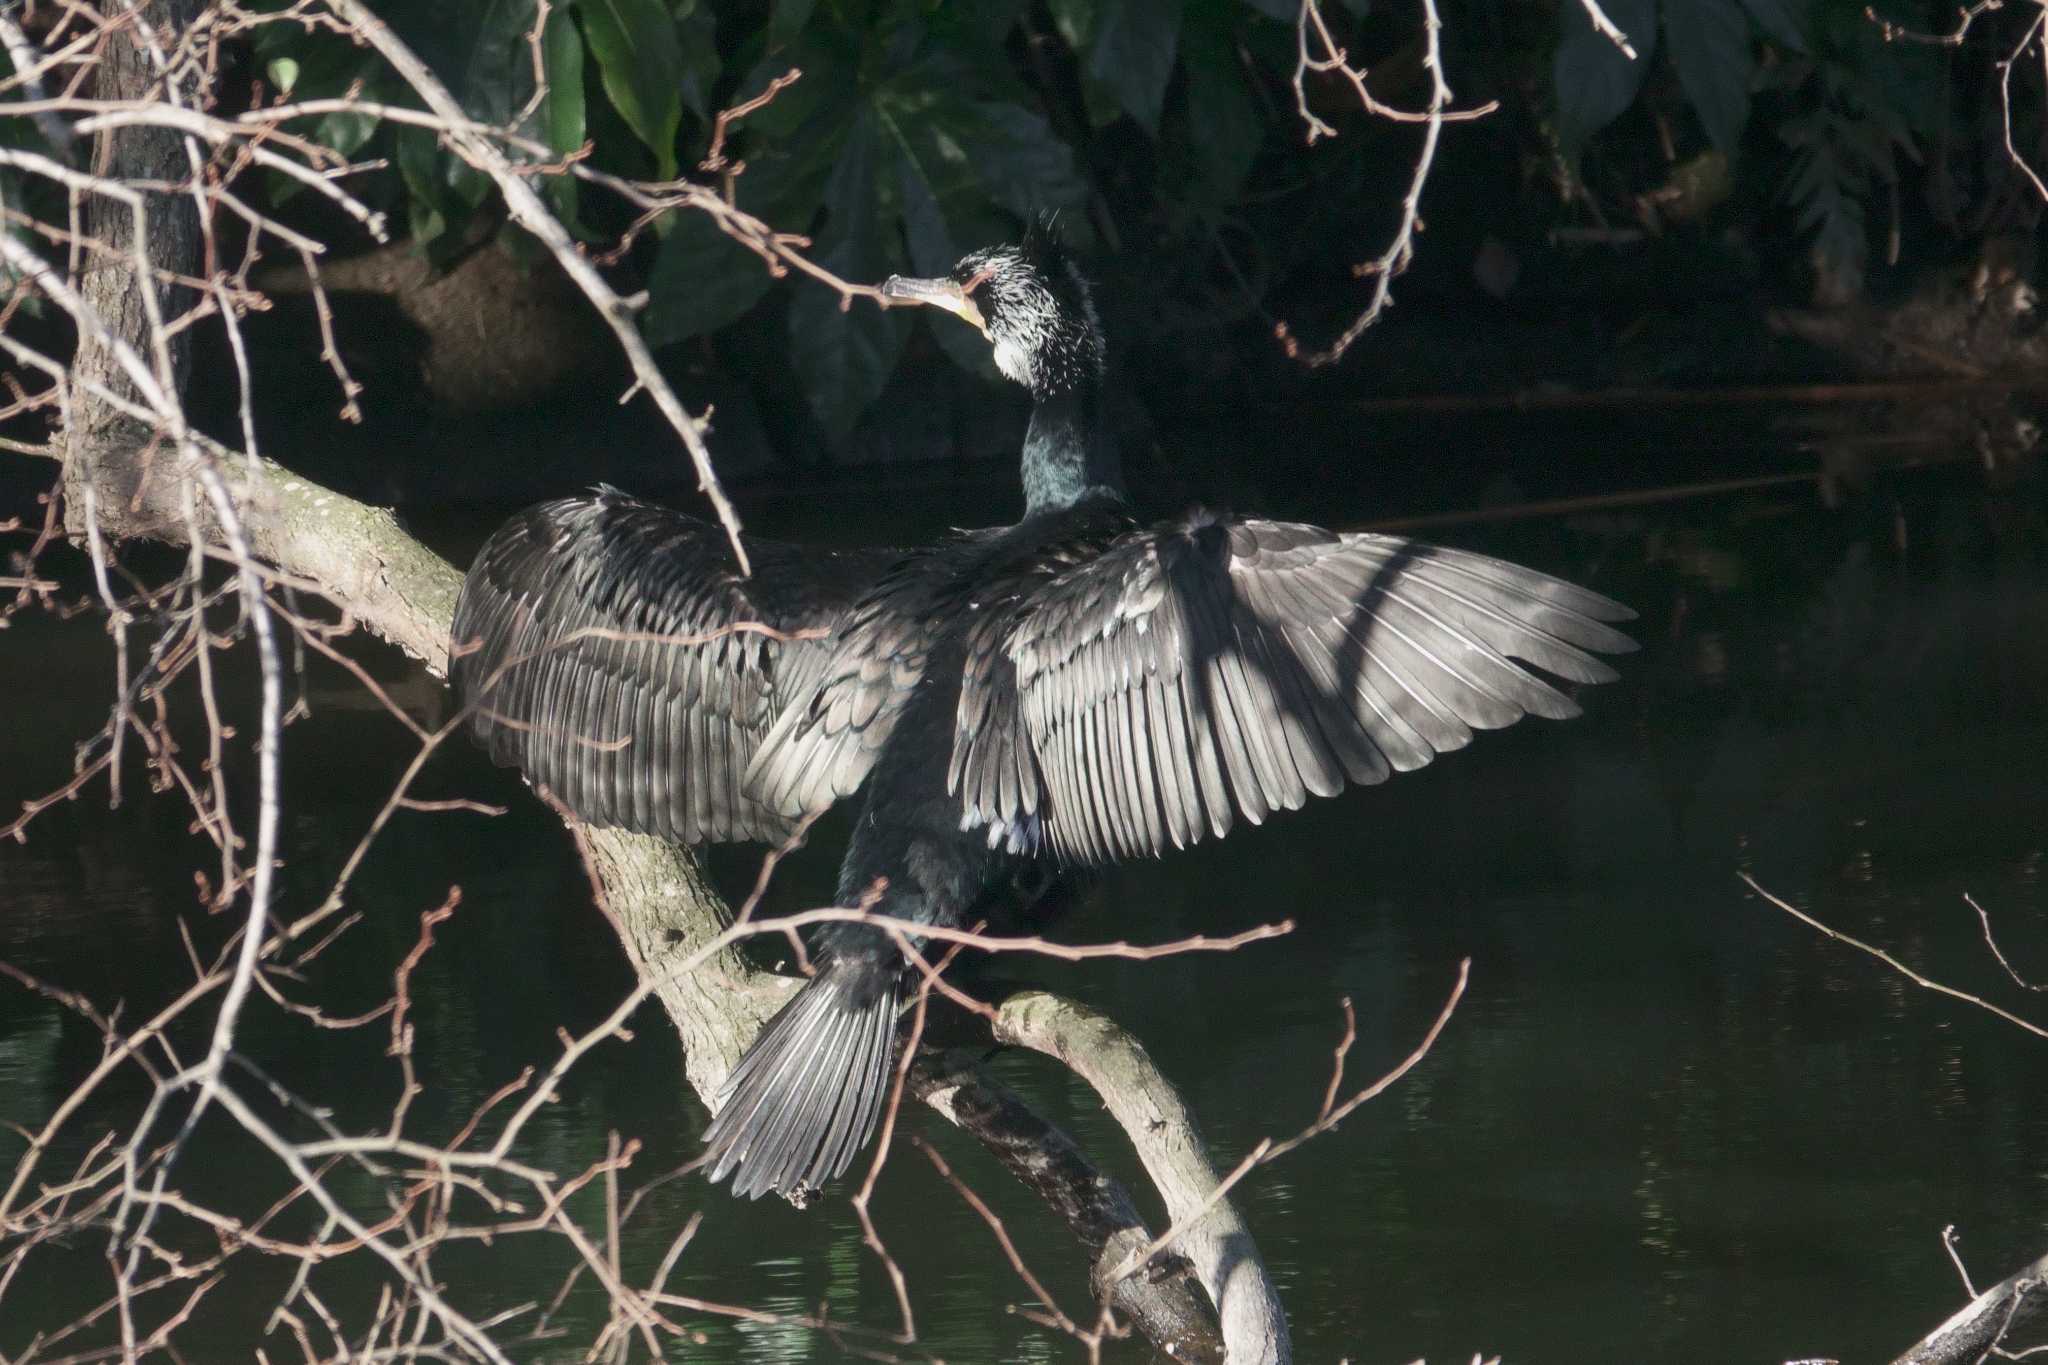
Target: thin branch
x=1401, y=250
x=1605, y=27
x=530, y=213
x=1991, y=942
x=1925, y=983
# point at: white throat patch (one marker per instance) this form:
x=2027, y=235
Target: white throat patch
x=1014, y=361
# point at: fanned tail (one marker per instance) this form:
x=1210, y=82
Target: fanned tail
x=805, y=1097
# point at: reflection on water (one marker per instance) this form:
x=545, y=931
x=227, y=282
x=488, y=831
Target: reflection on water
x=1667, y=1123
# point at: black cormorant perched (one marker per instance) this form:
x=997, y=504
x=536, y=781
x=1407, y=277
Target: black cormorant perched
x=1078, y=687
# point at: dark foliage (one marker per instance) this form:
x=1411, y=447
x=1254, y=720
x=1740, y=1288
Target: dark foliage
x=1167, y=129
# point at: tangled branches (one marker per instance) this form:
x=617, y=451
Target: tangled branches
x=155, y=235
x=1325, y=57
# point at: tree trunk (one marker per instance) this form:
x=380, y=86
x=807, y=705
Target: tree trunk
x=102, y=469
x=124, y=478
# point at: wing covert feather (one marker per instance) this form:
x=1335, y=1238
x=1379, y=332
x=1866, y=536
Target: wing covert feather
x=1201, y=670
x=604, y=662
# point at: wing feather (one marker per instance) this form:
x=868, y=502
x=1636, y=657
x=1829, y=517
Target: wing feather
x=566, y=603
x=1182, y=676
x=1152, y=830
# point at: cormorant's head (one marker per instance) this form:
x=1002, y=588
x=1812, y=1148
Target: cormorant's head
x=1031, y=303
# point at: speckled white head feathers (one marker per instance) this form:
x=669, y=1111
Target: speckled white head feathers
x=1032, y=304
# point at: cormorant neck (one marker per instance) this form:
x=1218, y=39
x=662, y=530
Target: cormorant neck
x=1069, y=452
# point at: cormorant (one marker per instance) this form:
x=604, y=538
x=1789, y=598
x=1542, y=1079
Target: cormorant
x=1078, y=687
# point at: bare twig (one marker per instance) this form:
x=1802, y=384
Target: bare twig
x=1965, y=16
x=1401, y=250
x=1605, y=27
x=530, y=213
x=279, y=536
x=1991, y=942
x=1925, y=983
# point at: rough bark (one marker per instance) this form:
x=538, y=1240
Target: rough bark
x=134, y=483
x=1151, y=1111
x=100, y=438
x=664, y=909
x=1166, y=1303
x=660, y=901
x=1996, y=1317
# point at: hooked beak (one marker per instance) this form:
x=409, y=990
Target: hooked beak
x=939, y=293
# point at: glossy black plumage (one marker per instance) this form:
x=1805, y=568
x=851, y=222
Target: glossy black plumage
x=830, y=1048
x=603, y=661
x=1078, y=687
x=1124, y=689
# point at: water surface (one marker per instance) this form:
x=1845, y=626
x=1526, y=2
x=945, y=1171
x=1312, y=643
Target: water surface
x=1668, y=1123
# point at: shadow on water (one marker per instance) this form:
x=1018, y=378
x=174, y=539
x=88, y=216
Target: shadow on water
x=1668, y=1123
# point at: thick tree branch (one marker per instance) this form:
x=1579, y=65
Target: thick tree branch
x=1166, y=1302
x=1979, y=1330
x=1161, y=1127
x=133, y=465
x=655, y=894
x=131, y=302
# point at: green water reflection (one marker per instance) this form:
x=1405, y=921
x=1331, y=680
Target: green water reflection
x=1668, y=1123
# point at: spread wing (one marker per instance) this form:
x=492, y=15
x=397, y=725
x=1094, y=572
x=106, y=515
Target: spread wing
x=1202, y=669
x=823, y=745
x=611, y=660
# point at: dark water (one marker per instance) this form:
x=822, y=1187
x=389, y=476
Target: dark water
x=1667, y=1124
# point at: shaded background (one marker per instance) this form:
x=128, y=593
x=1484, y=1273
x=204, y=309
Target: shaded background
x=1771, y=194
x=1668, y=1122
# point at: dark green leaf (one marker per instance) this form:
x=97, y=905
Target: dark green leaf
x=562, y=122
x=497, y=74
x=428, y=226
x=786, y=20
x=843, y=356
x=984, y=25
x=477, y=46
x=1133, y=54
x=1075, y=21
x=420, y=165
x=1709, y=43
x=561, y=112
x=634, y=42
x=325, y=68
x=1782, y=21
x=793, y=144
x=933, y=250
x=1019, y=161
x=1224, y=125
x=1286, y=11
x=1595, y=80
x=702, y=280
x=344, y=132
x=831, y=67
x=697, y=38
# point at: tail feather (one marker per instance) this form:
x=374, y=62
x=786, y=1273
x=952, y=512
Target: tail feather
x=806, y=1096
x=869, y=1075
